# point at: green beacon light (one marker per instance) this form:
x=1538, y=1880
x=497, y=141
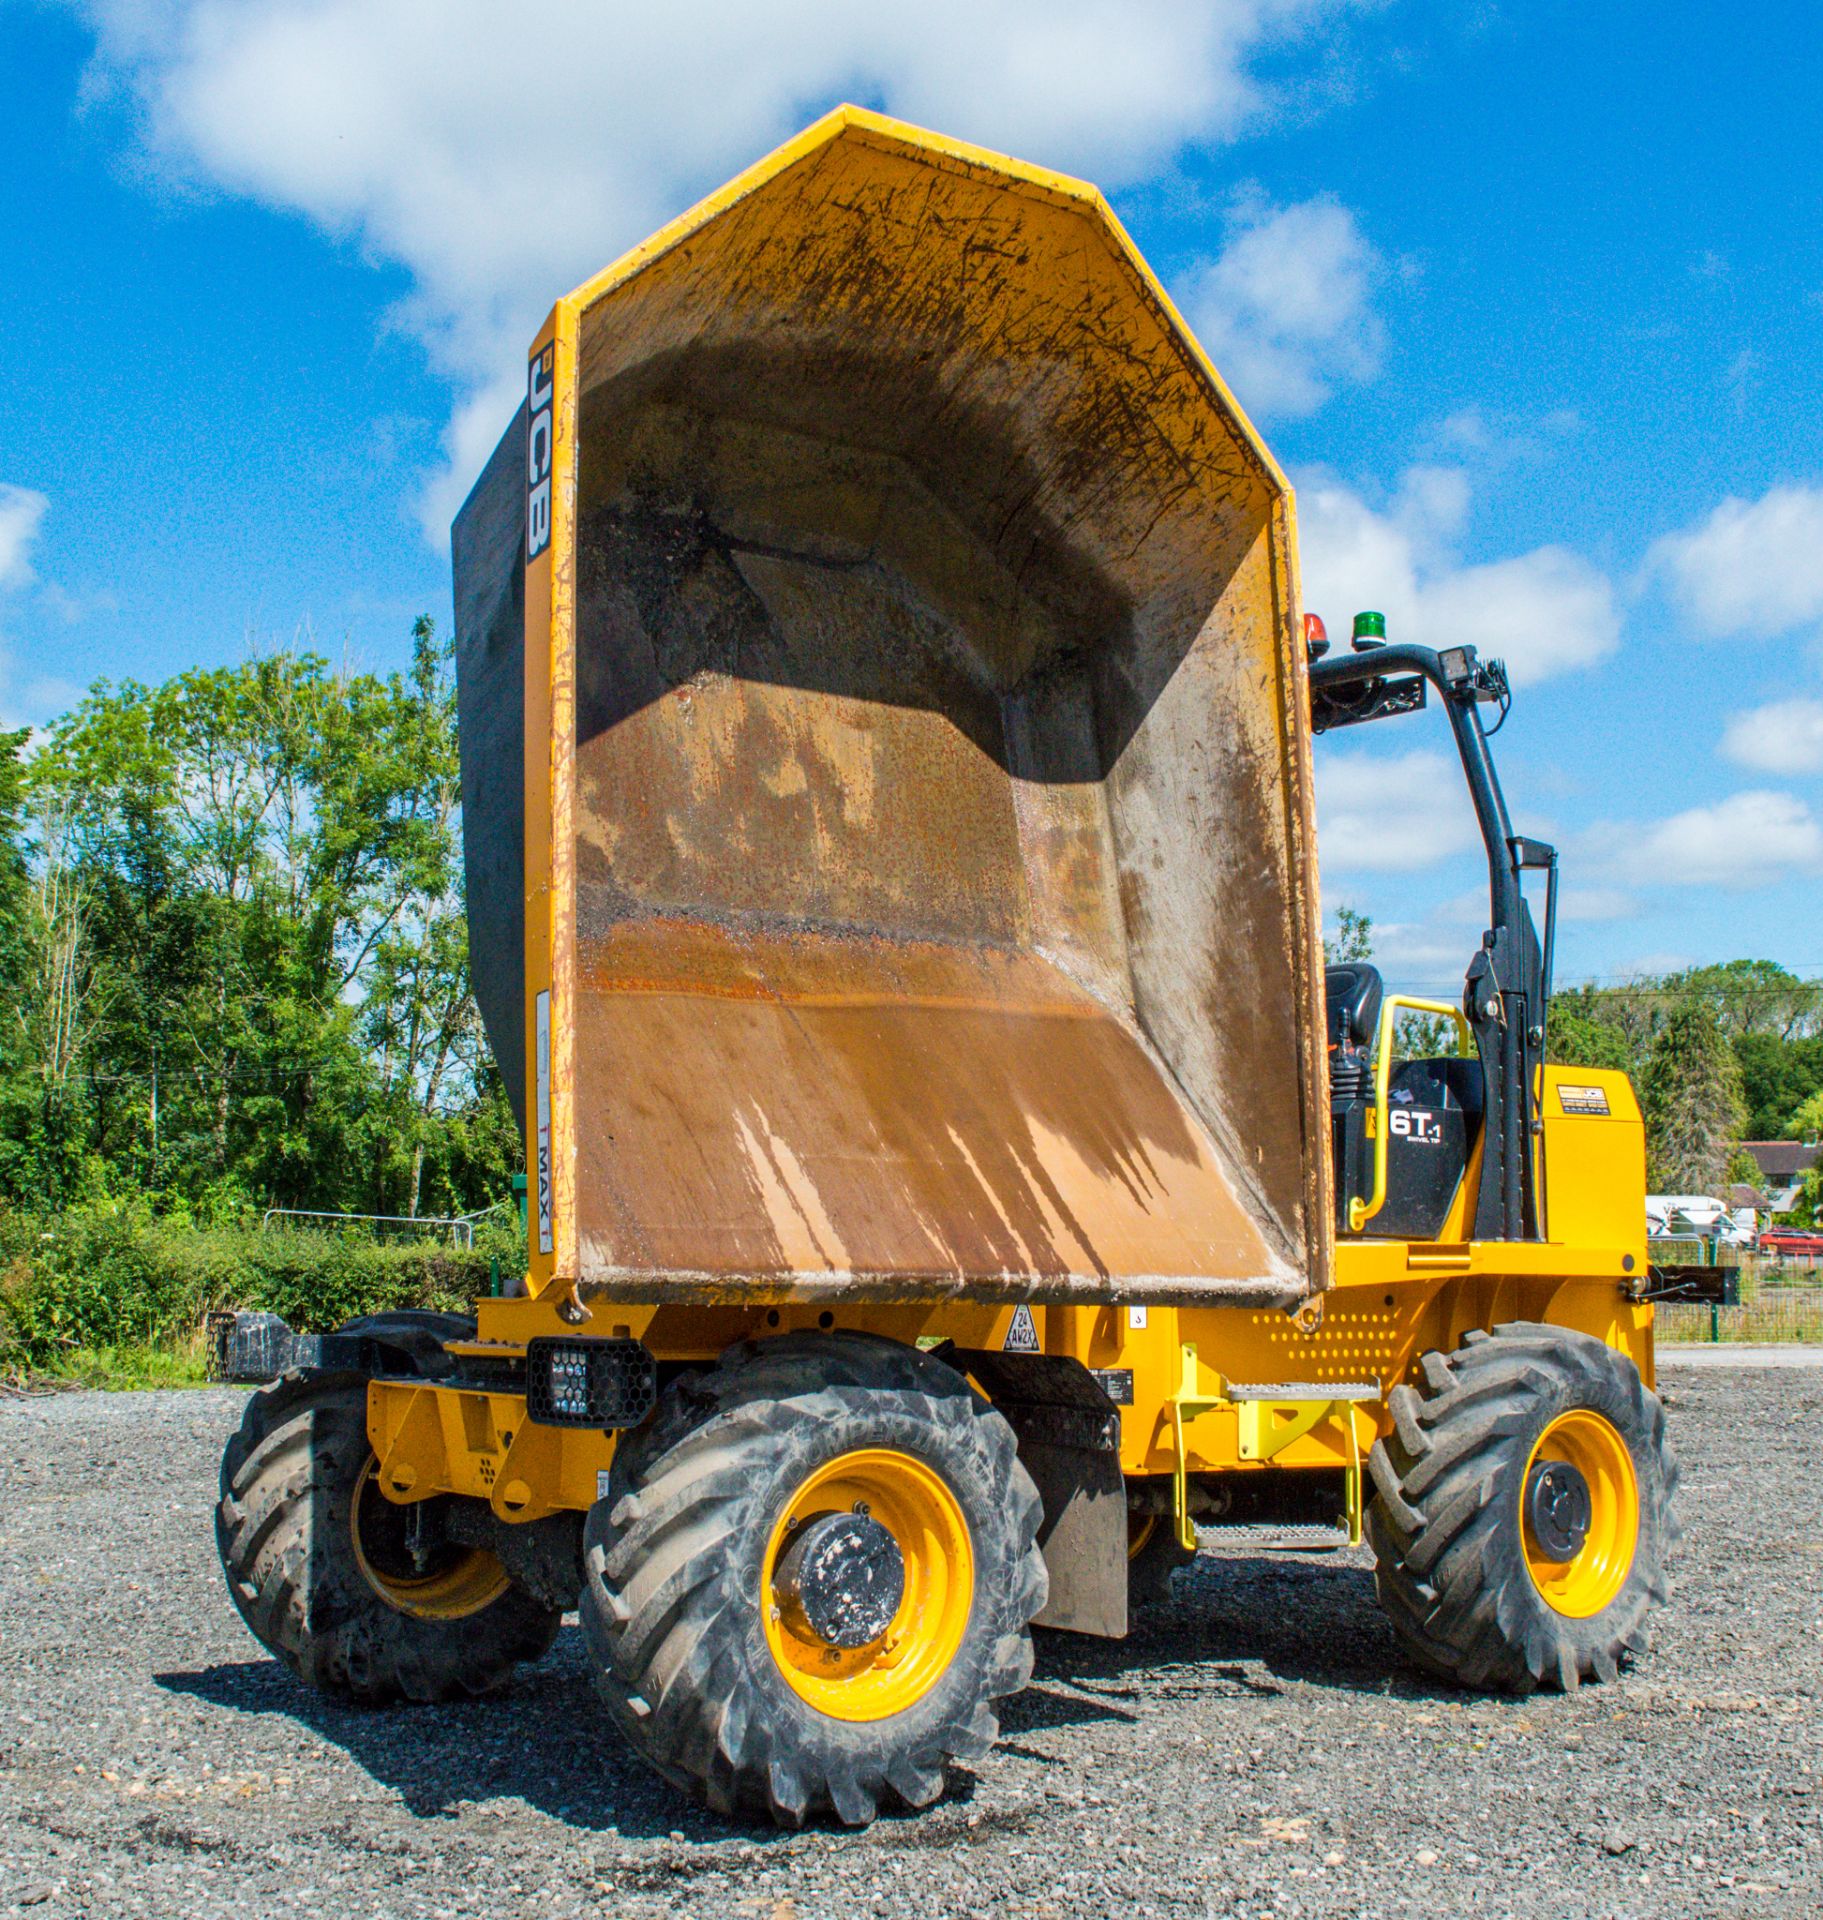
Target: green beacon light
x=1370, y=631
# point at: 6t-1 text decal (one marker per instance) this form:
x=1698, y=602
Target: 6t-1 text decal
x=540, y=389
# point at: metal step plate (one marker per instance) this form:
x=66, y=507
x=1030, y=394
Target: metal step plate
x=1303, y=1390
x=1265, y=1533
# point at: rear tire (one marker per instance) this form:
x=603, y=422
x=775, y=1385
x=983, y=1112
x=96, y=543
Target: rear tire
x=317, y=1563
x=696, y=1658
x=1473, y=1591
x=1154, y=1554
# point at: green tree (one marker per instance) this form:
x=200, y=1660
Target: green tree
x=1742, y=1170
x=1752, y=997
x=1809, y=1208
x=264, y=866
x=1777, y=1076
x=1354, y=939
x=15, y=874
x=1583, y=1029
x=18, y=1086
x=1607, y=1026
x=1691, y=1092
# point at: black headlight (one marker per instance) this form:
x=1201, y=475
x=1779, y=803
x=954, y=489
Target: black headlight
x=573, y=1382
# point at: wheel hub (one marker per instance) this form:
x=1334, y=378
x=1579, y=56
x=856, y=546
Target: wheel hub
x=1558, y=1509
x=411, y=1565
x=840, y=1580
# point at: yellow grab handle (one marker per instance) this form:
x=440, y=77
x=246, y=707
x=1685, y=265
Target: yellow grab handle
x=1361, y=1211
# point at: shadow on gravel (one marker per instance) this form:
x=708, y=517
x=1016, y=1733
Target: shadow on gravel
x=541, y=1739
x=1233, y=1626
x=1236, y=1628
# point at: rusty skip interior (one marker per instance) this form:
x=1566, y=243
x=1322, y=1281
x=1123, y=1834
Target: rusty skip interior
x=940, y=807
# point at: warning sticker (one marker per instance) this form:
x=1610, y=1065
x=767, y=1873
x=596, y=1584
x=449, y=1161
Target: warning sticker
x=1582, y=1099
x=1022, y=1335
x=1116, y=1383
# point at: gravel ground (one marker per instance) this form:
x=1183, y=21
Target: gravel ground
x=1725, y=1354
x=1255, y=1748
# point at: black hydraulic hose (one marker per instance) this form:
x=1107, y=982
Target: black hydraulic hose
x=1512, y=1121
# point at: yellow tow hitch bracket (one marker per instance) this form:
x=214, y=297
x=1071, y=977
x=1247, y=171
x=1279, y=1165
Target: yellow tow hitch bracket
x=1187, y=1402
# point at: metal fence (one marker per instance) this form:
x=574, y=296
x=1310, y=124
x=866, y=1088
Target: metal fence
x=1780, y=1296
x=459, y=1229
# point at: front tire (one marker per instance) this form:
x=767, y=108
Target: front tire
x=734, y=1683
x=320, y=1564
x=1521, y=1518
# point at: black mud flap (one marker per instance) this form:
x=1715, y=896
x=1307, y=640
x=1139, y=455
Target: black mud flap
x=1069, y=1439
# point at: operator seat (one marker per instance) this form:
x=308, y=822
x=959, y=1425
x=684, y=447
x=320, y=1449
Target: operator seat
x=1353, y=993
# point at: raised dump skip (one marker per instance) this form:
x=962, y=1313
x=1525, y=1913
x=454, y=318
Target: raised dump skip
x=916, y=807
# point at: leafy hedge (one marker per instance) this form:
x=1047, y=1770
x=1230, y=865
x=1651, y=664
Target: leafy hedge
x=117, y=1276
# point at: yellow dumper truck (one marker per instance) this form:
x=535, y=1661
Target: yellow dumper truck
x=957, y=1184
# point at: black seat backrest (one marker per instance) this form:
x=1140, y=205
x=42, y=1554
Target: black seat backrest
x=1353, y=993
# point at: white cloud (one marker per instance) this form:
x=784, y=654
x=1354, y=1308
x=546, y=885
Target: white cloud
x=1747, y=840
x=1430, y=953
x=1545, y=612
x=21, y=515
x=35, y=695
x=1596, y=904
x=1753, y=567
x=1427, y=956
x=1648, y=968
x=1285, y=310
x=1784, y=736
x=503, y=153
x=1505, y=439
x=1390, y=813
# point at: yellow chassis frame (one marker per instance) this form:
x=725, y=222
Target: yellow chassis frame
x=1314, y=1394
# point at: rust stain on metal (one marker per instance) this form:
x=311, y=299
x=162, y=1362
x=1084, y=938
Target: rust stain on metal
x=563, y=808
x=791, y=1102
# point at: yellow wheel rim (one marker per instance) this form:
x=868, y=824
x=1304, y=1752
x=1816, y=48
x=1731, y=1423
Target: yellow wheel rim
x=893, y=1672
x=1140, y=1528
x=1581, y=1586
x=462, y=1581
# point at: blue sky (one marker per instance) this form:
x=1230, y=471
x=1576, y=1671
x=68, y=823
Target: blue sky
x=1528, y=298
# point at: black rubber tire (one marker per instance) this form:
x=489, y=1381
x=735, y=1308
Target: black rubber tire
x=284, y=1530
x=1150, y=1567
x=674, y=1557
x=1444, y=1520
x=411, y=1339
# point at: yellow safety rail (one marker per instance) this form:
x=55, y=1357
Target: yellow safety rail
x=1361, y=1211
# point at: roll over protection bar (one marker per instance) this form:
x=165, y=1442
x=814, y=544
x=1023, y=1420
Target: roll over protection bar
x=1507, y=989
